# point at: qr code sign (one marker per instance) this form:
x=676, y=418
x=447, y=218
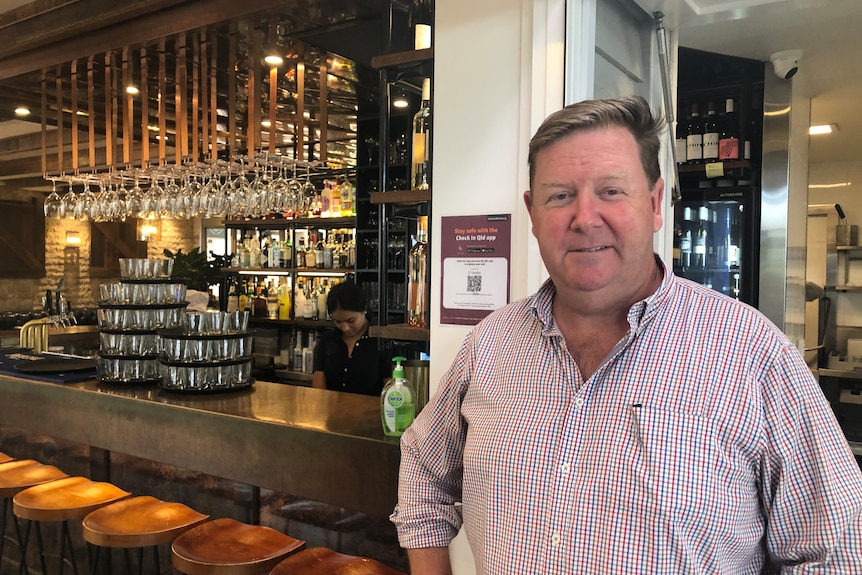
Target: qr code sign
x=474, y=283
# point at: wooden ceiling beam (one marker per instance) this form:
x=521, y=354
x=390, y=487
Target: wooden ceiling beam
x=84, y=41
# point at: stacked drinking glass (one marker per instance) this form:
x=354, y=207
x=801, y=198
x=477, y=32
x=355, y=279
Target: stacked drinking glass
x=210, y=351
x=129, y=315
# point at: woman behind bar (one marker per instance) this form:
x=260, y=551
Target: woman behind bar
x=345, y=358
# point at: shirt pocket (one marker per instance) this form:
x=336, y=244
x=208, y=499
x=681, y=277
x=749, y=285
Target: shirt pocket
x=682, y=467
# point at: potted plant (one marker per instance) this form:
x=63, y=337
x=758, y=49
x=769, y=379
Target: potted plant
x=194, y=269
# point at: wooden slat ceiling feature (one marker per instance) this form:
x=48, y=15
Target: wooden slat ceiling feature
x=110, y=115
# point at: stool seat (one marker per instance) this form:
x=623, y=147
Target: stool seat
x=228, y=547
x=20, y=474
x=65, y=499
x=323, y=561
x=142, y=521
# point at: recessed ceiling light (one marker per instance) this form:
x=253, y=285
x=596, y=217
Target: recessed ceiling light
x=22, y=111
x=132, y=90
x=822, y=129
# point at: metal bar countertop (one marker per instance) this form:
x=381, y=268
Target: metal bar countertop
x=324, y=445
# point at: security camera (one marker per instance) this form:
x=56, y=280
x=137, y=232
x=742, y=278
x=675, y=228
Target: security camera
x=786, y=63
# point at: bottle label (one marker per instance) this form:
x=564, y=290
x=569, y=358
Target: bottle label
x=710, y=146
x=422, y=36
x=694, y=147
x=728, y=149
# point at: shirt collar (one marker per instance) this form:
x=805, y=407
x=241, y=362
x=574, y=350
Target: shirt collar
x=638, y=316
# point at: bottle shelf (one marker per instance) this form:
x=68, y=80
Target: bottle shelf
x=339, y=222
x=401, y=197
x=268, y=322
x=402, y=58
x=701, y=168
x=289, y=271
x=400, y=331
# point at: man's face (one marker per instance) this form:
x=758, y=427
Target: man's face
x=594, y=215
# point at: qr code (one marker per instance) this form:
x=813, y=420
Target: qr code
x=474, y=283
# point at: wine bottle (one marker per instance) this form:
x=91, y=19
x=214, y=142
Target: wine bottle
x=680, y=143
x=728, y=142
x=685, y=242
x=422, y=18
x=701, y=239
x=417, y=277
x=421, y=160
x=710, y=135
x=694, y=138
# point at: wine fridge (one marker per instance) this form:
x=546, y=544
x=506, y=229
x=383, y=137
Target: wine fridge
x=716, y=239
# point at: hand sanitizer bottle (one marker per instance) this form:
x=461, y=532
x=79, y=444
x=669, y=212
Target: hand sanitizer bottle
x=397, y=402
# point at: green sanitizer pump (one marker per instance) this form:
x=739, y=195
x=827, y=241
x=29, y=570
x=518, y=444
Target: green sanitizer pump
x=397, y=401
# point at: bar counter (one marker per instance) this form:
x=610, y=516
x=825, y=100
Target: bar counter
x=324, y=445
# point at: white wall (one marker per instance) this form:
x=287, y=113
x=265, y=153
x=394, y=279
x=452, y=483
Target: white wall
x=498, y=71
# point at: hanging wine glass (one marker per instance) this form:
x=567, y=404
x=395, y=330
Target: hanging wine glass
x=52, y=203
x=89, y=205
x=280, y=192
x=152, y=197
x=122, y=201
x=68, y=204
x=135, y=201
x=296, y=205
x=309, y=193
x=225, y=195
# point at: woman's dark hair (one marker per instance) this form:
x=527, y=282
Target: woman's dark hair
x=347, y=296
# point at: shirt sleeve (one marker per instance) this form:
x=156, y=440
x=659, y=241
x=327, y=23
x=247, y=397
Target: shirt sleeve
x=811, y=483
x=430, y=477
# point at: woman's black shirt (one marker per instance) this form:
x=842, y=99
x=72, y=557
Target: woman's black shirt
x=363, y=372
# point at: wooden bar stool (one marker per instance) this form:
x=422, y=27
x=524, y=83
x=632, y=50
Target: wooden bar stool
x=61, y=501
x=323, y=561
x=227, y=547
x=16, y=476
x=137, y=523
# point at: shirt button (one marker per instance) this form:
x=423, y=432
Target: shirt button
x=565, y=469
x=555, y=539
x=579, y=401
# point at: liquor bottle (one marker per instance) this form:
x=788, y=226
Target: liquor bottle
x=271, y=302
x=732, y=222
x=297, y=352
x=711, y=255
x=329, y=252
x=417, y=277
x=319, y=250
x=274, y=256
x=710, y=135
x=322, y=293
x=347, y=191
x=243, y=297
x=728, y=142
x=677, y=245
x=701, y=239
x=299, y=300
x=694, y=138
x=421, y=18
x=232, y=295
x=287, y=251
x=310, y=257
x=300, y=253
x=685, y=242
x=283, y=301
x=420, y=168
x=335, y=202
x=326, y=200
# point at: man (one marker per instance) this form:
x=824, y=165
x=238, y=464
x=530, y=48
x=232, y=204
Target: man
x=621, y=419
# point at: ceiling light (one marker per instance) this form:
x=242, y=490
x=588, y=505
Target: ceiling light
x=22, y=111
x=132, y=90
x=822, y=129
x=266, y=124
x=274, y=60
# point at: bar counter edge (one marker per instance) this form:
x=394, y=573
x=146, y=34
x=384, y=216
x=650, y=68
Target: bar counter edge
x=323, y=445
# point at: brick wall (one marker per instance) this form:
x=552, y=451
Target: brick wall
x=73, y=265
